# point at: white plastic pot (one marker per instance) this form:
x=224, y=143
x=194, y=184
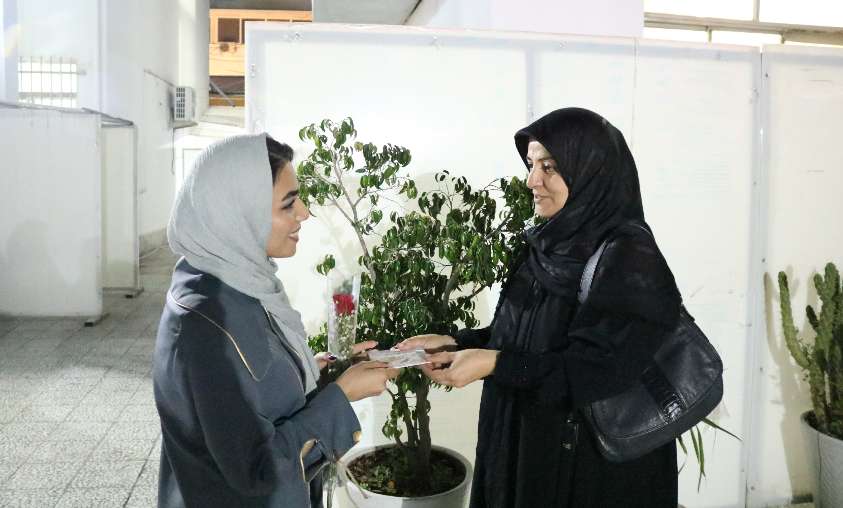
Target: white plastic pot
x=826, y=464
x=351, y=495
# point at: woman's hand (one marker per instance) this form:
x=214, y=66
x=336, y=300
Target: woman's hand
x=324, y=359
x=365, y=379
x=460, y=368
x=429, y=342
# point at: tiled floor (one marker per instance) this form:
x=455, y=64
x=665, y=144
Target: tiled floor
x=78, y=425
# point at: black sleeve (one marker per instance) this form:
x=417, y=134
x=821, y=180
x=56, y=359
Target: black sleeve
x=472, y=338
x=632, y=305
x=251, y=451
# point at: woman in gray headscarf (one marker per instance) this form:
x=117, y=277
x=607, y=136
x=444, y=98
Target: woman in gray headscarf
x=243, y=423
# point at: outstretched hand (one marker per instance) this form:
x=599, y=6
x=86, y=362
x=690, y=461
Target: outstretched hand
x=324, y=359
x=429, y=342
x=460, y=368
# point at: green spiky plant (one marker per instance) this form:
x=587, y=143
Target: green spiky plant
x=699, y=451
x=423, y=264
x=822, y=361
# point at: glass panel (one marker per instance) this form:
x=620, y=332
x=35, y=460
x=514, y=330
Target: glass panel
x=804, y=12
x=732, y=9
x=672, y=34
x=745, y=38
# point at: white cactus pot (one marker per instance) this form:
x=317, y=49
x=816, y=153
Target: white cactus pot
x=825, y=455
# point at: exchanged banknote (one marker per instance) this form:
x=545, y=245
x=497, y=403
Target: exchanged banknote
x=399, y=359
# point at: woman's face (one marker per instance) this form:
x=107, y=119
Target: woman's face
x=288, y=212
x=549, y=190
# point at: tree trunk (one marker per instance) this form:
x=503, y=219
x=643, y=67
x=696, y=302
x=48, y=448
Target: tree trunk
x=419, y=456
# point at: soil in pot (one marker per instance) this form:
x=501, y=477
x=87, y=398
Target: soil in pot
x=378, y=472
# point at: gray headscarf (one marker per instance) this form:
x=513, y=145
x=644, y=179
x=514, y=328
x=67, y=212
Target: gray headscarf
x=220, y=223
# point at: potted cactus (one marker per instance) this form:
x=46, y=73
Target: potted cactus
x=822, y=362
x=423, y=263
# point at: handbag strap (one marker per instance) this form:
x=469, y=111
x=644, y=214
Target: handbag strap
x=591, y=266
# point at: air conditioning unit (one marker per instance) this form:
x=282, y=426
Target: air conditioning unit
x=184, y=106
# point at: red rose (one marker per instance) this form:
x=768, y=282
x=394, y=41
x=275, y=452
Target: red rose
x=343, y=304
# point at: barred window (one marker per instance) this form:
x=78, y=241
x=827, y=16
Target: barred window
x=51, y=81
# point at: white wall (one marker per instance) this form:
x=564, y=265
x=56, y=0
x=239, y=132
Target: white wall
x=65, y=29
x=596, y=17
x=131, y=53
x=194, y=37
x=141, y=43
x=138, y=36
x=690, y=113
x=141, y=72
x=9, y=31
x=50, y=233
x=804, y=177
x=695, y=140
x=728, y=209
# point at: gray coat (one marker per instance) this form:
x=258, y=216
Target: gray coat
x=237, y=427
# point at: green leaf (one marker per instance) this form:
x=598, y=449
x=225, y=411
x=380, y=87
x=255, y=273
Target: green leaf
x=702, y=456
x=718, y=427
x=327, y=264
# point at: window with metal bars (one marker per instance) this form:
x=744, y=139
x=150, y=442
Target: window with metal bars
x=48, y=81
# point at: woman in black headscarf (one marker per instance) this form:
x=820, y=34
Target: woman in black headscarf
x=545, y=357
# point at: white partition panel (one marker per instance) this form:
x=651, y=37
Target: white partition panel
x=695, y=141
x=50, y=231
x=436, y=95
x=690, y=114
x=588, y=73
x=120, y=209
x=803, y=100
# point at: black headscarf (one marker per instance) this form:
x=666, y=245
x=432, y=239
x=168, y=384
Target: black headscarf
x=595, y=162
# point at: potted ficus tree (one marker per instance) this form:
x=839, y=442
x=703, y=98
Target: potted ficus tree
x=422, y=266
x=822, y=362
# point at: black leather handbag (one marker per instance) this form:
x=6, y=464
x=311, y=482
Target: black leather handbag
x=681, y=386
